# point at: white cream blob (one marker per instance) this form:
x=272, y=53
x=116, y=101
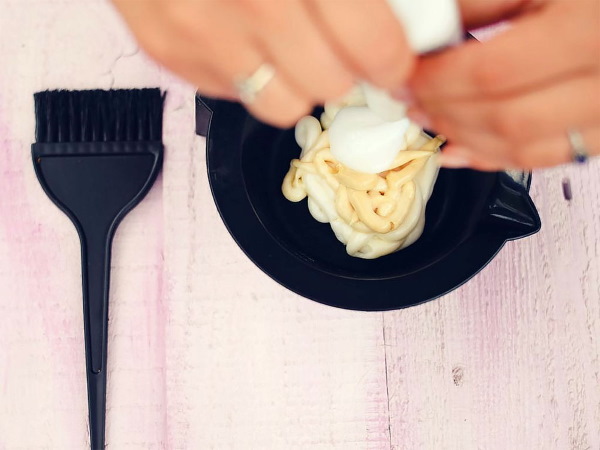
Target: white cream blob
x=363, y=141
x=429, y=24
x=382, y=104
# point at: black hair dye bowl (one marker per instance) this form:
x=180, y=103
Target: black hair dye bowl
x=469, y=217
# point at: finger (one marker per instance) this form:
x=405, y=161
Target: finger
x=368, y=35
x=476, y=148
x=278, y=103
x=452, y=158
x=557, y=150
x=185, y=44
x=460, y=135
x=528, y=54
x=175, y=44
x=476, y=13
x=206, y=81
x=193, y=69
x=301, y=53
x=519, y=119
x=476, y=145
x=545, y=152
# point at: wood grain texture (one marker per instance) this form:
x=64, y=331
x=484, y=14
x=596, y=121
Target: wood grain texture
x=510, y=360
x=205, y=351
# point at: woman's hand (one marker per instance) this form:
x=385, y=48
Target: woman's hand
x=510, y=102
x=317, y=47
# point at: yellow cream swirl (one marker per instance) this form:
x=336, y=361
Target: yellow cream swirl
x=372, y=214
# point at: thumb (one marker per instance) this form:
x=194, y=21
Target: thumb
x=477, y=13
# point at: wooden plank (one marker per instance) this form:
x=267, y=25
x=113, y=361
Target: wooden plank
x=208, y=352
x=511, y=359
x=256, y=366
x=205, y=351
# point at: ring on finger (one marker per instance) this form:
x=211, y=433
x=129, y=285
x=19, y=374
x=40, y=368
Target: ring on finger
x=250, y=87
x=579, y=152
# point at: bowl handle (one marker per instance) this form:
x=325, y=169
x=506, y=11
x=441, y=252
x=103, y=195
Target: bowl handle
x=511, y=211
x=204, y=114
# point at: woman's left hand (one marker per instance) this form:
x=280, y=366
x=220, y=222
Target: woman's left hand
x=510, y=102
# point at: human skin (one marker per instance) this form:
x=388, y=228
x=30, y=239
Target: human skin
x=505, y=103
x=318, y=47
x=509, y=102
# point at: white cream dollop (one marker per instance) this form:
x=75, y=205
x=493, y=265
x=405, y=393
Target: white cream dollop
x=365, y=142
x=429, y=24
x=382, y=104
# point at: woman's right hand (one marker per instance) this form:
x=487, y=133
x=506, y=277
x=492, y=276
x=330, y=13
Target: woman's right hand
x=318, y=48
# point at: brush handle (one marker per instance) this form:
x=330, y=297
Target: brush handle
x=96, y=273
x=96, y=383
x=96, y=184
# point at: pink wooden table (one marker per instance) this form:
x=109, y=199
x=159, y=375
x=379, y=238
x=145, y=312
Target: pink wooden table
x=207, y=352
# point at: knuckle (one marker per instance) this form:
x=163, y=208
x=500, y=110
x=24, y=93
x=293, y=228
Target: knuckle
x=442, y=126
x=327, y=78
x=333, y=90
x=487, y=77
x=509, y=126
x=386, y=63
x=198, y=30
x=590, y=45
x=273, y=21
x=253, y=7
x=518, y=156
x=190, y=22
x=284, y=117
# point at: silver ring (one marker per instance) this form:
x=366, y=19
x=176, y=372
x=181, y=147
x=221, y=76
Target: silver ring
x=579, y=151
x=249, y=88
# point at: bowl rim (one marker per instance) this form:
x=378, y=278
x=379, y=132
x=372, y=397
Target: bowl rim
x=296, y=274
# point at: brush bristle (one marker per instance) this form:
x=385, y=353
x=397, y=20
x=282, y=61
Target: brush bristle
x=99, y=116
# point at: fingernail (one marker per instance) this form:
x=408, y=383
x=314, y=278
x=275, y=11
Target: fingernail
x=453, y=161
x=420, y=118
x=404, y=95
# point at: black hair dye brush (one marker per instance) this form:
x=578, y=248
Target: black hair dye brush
x=97, y=155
